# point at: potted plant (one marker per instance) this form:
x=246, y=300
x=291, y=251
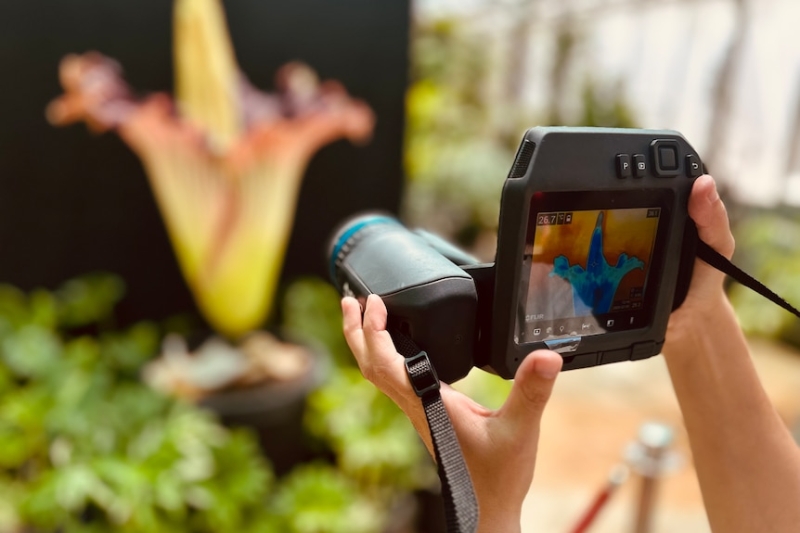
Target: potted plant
x=225, y=162
x=86, y=447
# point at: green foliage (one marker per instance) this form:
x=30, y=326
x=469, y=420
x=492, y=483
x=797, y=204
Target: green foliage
x=373, y=440
x=84, y=446
x=311, y=312
x=767, y=248
x=455, y=159
x=88, y=300
x=604, y=108
x=465, y=122
x=320, y=499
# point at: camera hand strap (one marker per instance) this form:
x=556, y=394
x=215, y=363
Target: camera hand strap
x=460, y=504
x=721, y=263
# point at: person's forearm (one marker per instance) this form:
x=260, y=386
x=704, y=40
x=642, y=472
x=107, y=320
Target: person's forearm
x=747, y=463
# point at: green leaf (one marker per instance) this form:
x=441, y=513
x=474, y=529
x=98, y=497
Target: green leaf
x=311, y=312
x=73, y=487
x=43, y=309
x=168, y=489
x=13, y=306
x=82, y=352
x=6, y=379
x=10, y=496
x=33, y=352
x=319, y=499
x=17, y=447
x=89, y=299
x=128, y=351
x=242, y=472
x=371, y=436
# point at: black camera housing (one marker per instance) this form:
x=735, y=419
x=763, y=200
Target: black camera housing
x=595, y=215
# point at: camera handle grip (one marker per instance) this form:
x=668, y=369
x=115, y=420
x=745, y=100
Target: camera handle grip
x=460, y=503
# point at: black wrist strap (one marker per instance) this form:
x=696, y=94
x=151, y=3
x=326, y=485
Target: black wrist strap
x=460, y=504
x=723, y=264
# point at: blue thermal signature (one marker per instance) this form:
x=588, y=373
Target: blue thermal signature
x=593, y=289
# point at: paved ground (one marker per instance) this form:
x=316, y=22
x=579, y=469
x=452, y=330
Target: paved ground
x=592, y=417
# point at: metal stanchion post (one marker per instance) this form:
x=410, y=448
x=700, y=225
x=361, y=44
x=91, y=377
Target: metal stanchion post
x=651, y=458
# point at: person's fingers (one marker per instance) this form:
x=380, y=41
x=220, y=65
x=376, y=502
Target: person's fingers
x=351, y=323
x=713, y=228
x=533, y=384
x=375, y=335
x=710, y=216
x=383, y=365
x=378, y=360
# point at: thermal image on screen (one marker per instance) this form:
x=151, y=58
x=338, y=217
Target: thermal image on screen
x=590, y=262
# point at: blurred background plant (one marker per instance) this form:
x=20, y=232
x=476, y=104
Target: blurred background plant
x=85, y=446
x=466, y=116
x=768, y=247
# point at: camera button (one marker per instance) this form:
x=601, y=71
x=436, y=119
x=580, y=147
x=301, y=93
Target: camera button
x=639, y=166
x=694, y=168
x=665, y=157
x=623, y=166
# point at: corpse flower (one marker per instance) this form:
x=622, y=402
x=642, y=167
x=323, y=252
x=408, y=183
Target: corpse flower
x=224, y=160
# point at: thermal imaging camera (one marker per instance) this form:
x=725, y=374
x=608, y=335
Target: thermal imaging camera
x=595, y=250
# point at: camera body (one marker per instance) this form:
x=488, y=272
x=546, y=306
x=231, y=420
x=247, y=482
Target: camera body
x=595, y=250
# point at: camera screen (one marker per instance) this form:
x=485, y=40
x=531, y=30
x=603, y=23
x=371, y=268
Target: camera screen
x=588, y=271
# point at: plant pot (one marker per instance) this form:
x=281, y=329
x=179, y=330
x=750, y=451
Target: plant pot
x=274, y=411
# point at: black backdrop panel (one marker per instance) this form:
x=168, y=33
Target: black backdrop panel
x=73, y=202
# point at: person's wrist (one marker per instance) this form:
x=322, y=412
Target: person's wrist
x=697, y=321
x=708, y=306
x=509, y=522
x=500, y=514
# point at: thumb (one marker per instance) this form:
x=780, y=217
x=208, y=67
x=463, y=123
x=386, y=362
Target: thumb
x=713, y=228
x=710, y=216
x=533, y=384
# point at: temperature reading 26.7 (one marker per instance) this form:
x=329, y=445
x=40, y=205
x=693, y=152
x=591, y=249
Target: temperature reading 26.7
x=553, y=219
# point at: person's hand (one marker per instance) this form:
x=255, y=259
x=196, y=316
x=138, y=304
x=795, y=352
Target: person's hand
x=706, y=296
x=499, y=446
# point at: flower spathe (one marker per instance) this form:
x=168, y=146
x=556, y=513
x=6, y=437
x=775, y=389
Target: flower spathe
x=225, y=164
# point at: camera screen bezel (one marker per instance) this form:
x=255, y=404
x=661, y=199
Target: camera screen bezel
x=543, y=202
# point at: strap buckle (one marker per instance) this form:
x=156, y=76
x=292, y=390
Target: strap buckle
x=422, y=375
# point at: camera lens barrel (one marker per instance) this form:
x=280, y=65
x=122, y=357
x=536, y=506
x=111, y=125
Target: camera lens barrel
x=428, y=297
